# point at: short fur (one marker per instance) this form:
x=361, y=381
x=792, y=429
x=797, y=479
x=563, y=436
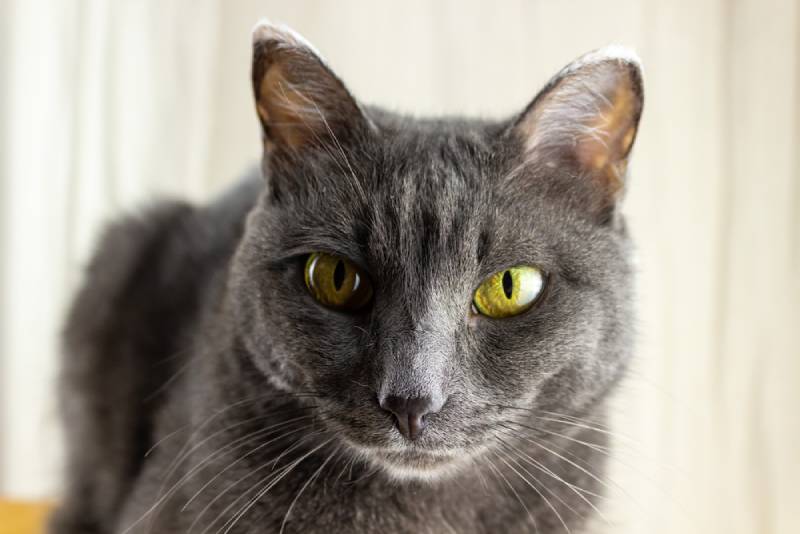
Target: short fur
x=205, y=390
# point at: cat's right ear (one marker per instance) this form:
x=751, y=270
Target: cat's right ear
x=300, y=102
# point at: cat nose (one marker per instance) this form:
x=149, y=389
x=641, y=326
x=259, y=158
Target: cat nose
x=409, y=413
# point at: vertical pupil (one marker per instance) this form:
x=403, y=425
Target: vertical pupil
x=338, y=275
x=508, y=284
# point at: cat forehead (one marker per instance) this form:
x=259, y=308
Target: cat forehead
x=401, y=128
x=434, y=152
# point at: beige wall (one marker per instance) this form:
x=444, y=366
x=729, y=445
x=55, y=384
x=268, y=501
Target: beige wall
x=108, y=104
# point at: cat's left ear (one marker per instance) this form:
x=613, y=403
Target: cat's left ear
x=301, y=103
x=587, y=117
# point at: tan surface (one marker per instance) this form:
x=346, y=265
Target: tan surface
x=22, y=517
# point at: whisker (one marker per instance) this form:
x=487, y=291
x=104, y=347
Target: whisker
x=247, y=455
x=614, y=452
x=564, y=458
x=238, y=424
x=585, y=471
x=613, y=455
x=479, y=474
x=302, y=489
x=163, y=496
x=241, y=496
x=546, y=488
x=362, y=477
x=166, y=438
x=539, y=493
x=249, y=474
x=272, y=484
x=514, y=491
x=235, y=443
x=574, y=488
x=356, y=182
x=550, y=472
x=587, y=421
x=187, y=448
x=594, y=446
x=585, y=426
x=569, y=420
x=348, y=461
x=163, y=387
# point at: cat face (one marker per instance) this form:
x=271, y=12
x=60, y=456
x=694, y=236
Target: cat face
x=435, y=225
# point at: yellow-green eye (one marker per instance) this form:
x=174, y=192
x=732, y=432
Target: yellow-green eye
x=509, y=292
x=337, y=282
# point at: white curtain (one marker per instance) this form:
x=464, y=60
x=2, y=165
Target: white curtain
x=107, y=105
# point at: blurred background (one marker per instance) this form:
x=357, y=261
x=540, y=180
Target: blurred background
x=108, y=105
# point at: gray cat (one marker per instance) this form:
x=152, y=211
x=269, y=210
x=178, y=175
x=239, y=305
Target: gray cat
x=396, y=325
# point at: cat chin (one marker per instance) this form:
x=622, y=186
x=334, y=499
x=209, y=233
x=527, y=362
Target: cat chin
x=427, y=467
x=428, y=474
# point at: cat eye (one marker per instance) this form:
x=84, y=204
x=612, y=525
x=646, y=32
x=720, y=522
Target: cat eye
x=337, y=282
x=509, y=292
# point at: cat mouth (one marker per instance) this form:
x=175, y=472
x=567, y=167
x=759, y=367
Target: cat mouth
x=413, y=461
x=420, y=464
x=416, y=464
x=417, y=458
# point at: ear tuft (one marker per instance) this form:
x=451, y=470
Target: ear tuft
x=587, y=116
x=266, y=30
x=612, y=52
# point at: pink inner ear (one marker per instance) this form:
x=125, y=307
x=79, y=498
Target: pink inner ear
x=588, y=115
x=603, y=149
x=291, y=116
x=586, y=118
x=300, y=102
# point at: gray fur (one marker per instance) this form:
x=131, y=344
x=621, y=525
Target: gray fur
x=198, y=366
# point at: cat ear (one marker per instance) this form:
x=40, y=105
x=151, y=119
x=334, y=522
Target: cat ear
x=300, y=101
x=587, y=116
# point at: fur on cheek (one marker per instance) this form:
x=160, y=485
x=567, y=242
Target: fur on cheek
x=280, y=370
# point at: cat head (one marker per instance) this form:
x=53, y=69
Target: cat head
x=435, y=282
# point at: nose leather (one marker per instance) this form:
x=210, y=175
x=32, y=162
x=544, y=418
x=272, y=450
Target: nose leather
x=409, y=413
